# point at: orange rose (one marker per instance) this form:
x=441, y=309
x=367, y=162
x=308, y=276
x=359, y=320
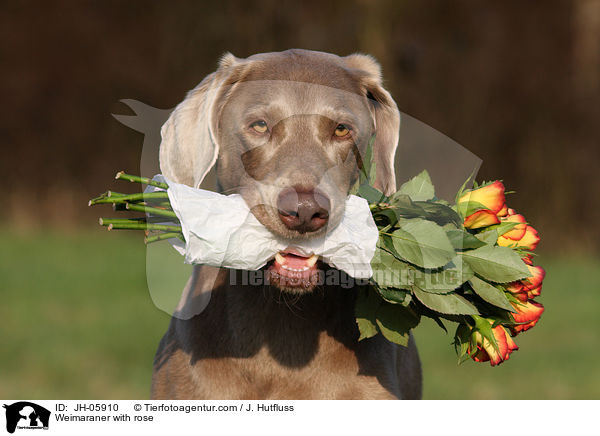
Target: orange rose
x=491, y=197
x=518, y=231
x=530, y=240
x=535, y=279
x=528, y=314
x=520, y=236
x=530, y=287
x=486, y=350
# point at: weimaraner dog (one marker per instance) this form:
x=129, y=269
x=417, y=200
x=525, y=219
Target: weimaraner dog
x=285, y=130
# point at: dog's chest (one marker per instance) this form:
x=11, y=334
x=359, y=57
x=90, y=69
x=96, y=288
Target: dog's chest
x=333, y=372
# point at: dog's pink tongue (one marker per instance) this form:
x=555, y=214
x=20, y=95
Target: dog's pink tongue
x=294, y=261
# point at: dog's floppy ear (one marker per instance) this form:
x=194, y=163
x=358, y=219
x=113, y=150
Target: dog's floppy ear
x=387, y=120
x=188, y=149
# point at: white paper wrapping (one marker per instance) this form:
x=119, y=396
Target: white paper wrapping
x=220, y=230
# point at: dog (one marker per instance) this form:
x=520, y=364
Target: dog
x=286, y=130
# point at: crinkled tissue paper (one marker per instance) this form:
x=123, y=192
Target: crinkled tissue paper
x=219, y=230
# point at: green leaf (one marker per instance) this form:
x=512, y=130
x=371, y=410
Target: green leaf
x=444, y=280
x=485, y=328
x=463, y=187
x=490, y=293
x=393, y=295
x=423, y=243
x=461, y=340
x=489, y=237
x=404, y=206
x=462, y=240
x=440, y=213
x=395, y=322
x=367, y=303
x=390, y=214
x=434, y=316
x=389, y=271
x=419, y=188
x=368, y=170
x=451, y=304
x=386, y=243
x=496, y=264
x=371, y=194
x=502, y=228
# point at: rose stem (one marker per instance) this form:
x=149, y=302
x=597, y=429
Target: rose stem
x=122, y=176
x=150, y=210
x=162, y=236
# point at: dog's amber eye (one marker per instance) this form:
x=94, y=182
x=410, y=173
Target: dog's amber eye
x=259, y=126
x=341, y=130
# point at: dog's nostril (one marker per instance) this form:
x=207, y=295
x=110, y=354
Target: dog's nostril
x=304, y=210
x=323, y=214
x=288, y=213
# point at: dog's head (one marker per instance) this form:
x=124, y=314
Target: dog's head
x=286, y=131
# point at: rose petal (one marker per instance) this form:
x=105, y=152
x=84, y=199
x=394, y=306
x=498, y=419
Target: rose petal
x=530, y=239
x=505, y=242
x=503, y=211
x=517, y=232
x=535, y=279
x=518, y=290
x=528, y=313
x=535, y=292
x=515, y=287
x=491, y=196
x=486, y=350
x=522, y=297
x=481, y=218
x=500, y=336
x=511, y=344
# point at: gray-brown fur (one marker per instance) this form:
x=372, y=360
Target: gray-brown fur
x=263, y=342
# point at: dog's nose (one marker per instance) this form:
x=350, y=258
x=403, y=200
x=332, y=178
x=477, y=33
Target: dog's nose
x=304, y=210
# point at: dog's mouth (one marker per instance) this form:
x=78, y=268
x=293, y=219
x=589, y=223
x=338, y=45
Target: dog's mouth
x=292, y=271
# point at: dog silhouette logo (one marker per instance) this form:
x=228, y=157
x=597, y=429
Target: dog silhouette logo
x=26, y=415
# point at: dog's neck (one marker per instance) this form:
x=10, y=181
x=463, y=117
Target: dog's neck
x=264, y=315
x=247, y=319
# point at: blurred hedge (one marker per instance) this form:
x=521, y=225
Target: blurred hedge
x=516, y=83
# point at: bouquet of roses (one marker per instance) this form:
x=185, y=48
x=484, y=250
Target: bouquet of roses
x=470, y=263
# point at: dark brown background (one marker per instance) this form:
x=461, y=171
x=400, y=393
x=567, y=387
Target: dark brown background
x=516, y=83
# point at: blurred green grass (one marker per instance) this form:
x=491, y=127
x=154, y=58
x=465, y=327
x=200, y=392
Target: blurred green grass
x=77, y=321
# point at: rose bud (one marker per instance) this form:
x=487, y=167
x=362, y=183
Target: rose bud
x=535, y=279
x=517, y=289
x=518, y=231
x=529, y=240
x=535, y=292
x=490, y=196
x=486, y=350
x=522, y=293
x=530, y=287
x=528, y=314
